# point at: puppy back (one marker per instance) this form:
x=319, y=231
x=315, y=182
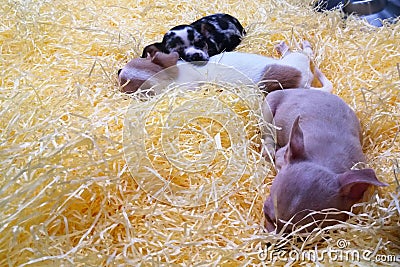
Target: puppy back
x=278, y=77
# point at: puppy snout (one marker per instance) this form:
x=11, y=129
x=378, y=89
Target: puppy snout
x=198, y=57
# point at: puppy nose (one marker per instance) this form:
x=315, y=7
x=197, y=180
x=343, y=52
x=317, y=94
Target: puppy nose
x=119, y=71
x=197, y=57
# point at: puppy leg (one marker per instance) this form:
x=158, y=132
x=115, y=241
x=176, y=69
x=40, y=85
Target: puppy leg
x=282, y=49
x=326, y=84
x=307, y=49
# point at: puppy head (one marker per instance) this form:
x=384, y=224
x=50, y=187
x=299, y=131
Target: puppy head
x=187, y=42
x=302, y=186
x=139, y=71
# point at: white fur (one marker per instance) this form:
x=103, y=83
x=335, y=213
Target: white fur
x=250, y=65
x=192, y=50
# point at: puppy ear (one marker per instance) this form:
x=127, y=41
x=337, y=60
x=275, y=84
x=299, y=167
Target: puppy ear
x=295, y=149
x=152, y=50
x=354, y=183
x=206, y=29
x=165, y=60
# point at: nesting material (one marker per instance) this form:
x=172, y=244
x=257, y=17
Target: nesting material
x=192, y=144
x=68, y=192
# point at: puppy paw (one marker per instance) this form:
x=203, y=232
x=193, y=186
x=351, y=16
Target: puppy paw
x=282, y=48
x=307, y=49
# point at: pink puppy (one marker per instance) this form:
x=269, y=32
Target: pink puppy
x=317, y=147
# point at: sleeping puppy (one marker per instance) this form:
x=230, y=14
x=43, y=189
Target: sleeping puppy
x=291, y=71
x=200, y=40
x=318, y=145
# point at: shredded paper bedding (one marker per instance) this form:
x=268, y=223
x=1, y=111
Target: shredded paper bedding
x=93, y=177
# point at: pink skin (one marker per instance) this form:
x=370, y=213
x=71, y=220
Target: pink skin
x=317, y=147
x=139, y=70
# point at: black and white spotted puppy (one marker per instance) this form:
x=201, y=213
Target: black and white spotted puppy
x=202, y=39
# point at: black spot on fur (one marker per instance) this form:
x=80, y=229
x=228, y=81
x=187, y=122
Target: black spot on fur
x=223, y=24
x=169, y=35
x=200, y=43
x=234, y=42
x=174, y=42
x=190, y=33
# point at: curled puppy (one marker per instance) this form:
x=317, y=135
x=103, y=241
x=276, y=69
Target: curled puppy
x=317, y=147
x=200, y=40
x=291, y=71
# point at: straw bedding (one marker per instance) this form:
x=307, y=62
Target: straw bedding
x=69, y=186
